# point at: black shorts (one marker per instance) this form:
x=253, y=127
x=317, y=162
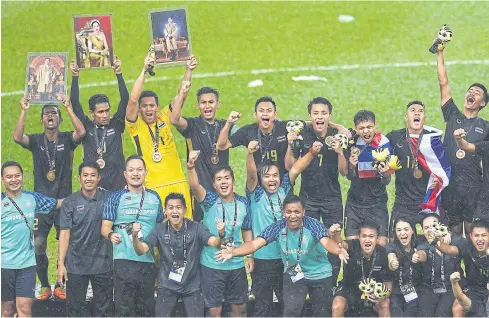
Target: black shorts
x=459, y=203
x=329, y=212
x=479, y=301
x=218, y=285
x=401, y=210
x=18, y=283
x=44, y=222
x=353, y=298
x=356, y=215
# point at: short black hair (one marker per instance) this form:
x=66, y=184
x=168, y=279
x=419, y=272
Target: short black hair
x=84, y=164
x=12, y=164
x=175, y=196
x=207, y=90
x=477, y=223
x=367, y=224
x=431, y=215
x=294, y=199
x=265, y=167
x=484, y=89
x=135, y=157
x=224, y=168
x=319, y=100
x=363, y=115
x=148, y=94
x=265, y=99
x=54, y=106
x=415, y=102
x=97, y=99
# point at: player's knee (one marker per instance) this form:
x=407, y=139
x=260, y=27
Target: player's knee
x=41, y=244
x=8, y=308
x=339, y=306
x=24, y=307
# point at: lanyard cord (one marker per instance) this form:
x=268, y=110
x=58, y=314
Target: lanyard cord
x=184, y=241
x=287, y=246
x=269, y=197
x=224, y=210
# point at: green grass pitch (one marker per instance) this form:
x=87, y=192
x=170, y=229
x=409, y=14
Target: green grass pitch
x=380, y=60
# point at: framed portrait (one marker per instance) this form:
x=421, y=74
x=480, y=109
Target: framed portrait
x=93, y=41
x=170, y=36
x=46, y=77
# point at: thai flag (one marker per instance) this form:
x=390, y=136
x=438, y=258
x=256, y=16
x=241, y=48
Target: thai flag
x=433, y=158
x=365, y=160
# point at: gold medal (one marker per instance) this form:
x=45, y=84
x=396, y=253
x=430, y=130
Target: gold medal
x=101, y=163
x=460, y=154
x=329, y=141
x=355, y=151
x=418, y=174
x=157, y=156
x=215, y=159
x=51, y=175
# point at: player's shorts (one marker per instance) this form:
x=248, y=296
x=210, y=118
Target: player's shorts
x=179, y=187
x=410, y=212
x=357, y=214
x=218, y=285
x=460, y=203
x=479, y=301
x=354, y=303
x=44, y=222
x=18, y=283
x=329, y=212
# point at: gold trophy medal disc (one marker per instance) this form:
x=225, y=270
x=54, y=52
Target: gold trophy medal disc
x=157, y=156
x=51, y=175
x=215, y=159
x=355, y=151
x=418, y=174
x=460, y=154
x=329, y=141
x=101, y=163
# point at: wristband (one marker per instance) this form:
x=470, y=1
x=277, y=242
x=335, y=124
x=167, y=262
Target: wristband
x=190, y=166
x=109, y=235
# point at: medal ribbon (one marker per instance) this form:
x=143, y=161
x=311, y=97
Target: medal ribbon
x=263, y=152
x=287, y=246
x=51, y=161
x=212, y=141
x=100, y=146
x=155, y=136
x=414, y=155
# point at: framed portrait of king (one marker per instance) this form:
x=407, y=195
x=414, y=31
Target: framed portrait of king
x=46, y=77
x=93, y=41
x=170, y=36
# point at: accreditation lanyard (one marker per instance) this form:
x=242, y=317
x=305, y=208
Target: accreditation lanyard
x=287, y=246
x=184, y=241
x=31, y=230
x=263, y=151
x=155, y=136
x=224, y=210
x=51, y=159
x=269, y=197
x=433, y=269
x=410, y=275
x=371, y=269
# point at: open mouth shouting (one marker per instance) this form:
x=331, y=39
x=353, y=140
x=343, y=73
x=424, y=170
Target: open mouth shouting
x=320, y=124
x=207, y=113
x=265, y=121
x=481, y=245
x=272, y=187
x=470, y=99
x=404, y=238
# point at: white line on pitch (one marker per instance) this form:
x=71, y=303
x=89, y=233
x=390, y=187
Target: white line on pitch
x=284, y=69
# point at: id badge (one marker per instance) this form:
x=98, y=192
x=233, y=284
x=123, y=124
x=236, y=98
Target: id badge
x=176, y=271
x=31, y=239
x=228, y=241
x=439, y=288
x=295, y=273
x=409, y=293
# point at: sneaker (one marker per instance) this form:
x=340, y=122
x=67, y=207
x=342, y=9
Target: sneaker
x=44, y=293
x=60, y=293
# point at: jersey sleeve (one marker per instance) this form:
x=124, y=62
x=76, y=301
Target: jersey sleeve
x=450, y=110
x=43, y=203
x=272, y=232
x=462, y=246
x=285, y=185
x=165, y=114
x=247, y=219
x=209, y=200
x=33, y=141
x=239, y=138
x=386, y=275
x=190, y=126
x=203, y=234
x=159, y=215
x=482, y=148
x=132, y=127
x=317, y=229
x=69, y=136
x=111, y=205
x=233, y=130
x=390, y=248
x=152, y=238
x=66, y=215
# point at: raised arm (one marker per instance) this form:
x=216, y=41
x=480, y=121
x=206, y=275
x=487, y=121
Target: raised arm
x=132, y=106
x=193, y=179
x=223, y=141
x=341, y=129
x=301, y=164
x=334, y=233
x=123, y=92
x=244, y=249
x=75, y=91
x=445, y=90
x=19, y=136
x=447, y=249
x=79, y=132
x=179, y=100
x=290, y=159
x=251, y=171
x=342, y=163
x=337, y=249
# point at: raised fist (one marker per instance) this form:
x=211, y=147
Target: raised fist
x=233, y=117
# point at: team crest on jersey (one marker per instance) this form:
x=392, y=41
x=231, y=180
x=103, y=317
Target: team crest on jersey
x=128, y=198
x=111, y=131
x=479, y=130
x=6, y=204
x=60, y=147
x=80, y=207
x=281, y=138
x=161, y=125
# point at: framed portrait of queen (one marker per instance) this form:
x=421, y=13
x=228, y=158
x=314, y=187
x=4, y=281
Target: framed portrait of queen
x=46, y=77
x=93, y=41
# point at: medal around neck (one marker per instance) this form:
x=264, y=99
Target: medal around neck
x=460, y=154
x=101, y=163
x=418, y=174
x=157, y=156
x=51, y=175
x=215, y=159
